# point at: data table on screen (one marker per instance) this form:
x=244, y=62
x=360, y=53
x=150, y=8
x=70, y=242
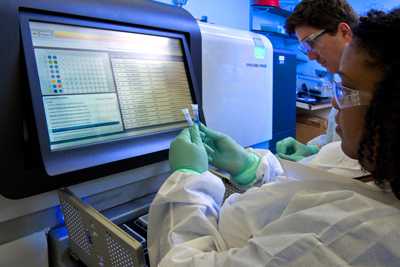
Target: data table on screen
x=150, y=91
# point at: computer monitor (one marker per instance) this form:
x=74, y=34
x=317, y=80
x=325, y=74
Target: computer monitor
x=103, y=92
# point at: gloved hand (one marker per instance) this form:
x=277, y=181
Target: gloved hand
x=290, y=149
x=187, y=152
x=224, y=153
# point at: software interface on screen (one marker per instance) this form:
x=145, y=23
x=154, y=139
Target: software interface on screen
x=101, y=85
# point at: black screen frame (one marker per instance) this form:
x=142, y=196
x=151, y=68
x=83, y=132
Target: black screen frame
x=75, y=159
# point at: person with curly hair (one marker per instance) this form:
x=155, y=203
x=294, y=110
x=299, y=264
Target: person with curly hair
x=324, y=221
x=370, y=70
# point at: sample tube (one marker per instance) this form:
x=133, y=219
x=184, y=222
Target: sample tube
x=195, y=110
x=187, y=116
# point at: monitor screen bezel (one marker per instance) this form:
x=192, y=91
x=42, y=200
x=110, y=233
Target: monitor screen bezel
x=78, y=158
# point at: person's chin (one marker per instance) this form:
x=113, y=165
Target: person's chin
x=327, y=66
x=331, y=69
x=348, y=151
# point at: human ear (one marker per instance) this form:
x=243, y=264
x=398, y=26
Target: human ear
x=345, y=31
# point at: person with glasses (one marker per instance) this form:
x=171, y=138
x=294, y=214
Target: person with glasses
x=320, y=221
x=323, y=28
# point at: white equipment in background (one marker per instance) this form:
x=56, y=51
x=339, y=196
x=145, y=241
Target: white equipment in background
x=237, y=83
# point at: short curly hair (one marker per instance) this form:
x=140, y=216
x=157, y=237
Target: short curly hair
x=380, y=144
x=321, y=14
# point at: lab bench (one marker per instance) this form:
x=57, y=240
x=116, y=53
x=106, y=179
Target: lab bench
x=311, y=120
x=312, y=107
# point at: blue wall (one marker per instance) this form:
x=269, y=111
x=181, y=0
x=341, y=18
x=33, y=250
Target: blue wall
x=235, y=13
x=362, y=6
x=230, y=13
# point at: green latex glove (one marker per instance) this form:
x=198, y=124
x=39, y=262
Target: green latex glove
x=187, y=152
x=224, y=153
x=291, y=149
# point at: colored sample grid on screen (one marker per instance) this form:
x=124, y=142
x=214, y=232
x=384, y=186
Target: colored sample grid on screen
x=54, y=72
x=74, y=72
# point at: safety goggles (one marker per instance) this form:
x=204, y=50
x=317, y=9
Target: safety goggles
x=307, y=44
x=346, y=97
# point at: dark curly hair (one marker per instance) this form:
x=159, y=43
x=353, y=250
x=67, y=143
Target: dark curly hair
x=321, y=14
x=380, y=144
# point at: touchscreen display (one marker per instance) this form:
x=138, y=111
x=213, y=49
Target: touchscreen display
x=102, y=85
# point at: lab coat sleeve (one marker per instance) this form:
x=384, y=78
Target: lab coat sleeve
x=183, y=225
x=270, y=168
x=185, y=214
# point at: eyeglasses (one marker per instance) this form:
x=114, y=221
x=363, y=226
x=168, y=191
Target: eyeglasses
x=346, y=97
x=307, y=44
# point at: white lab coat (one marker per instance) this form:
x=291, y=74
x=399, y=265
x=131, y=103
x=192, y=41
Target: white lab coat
x=283, y=223
x=331, y=158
